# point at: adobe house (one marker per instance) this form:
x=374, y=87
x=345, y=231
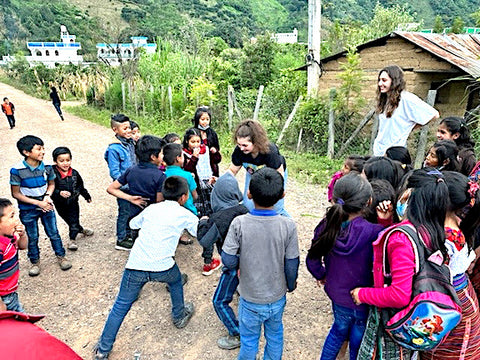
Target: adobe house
x=430, y=62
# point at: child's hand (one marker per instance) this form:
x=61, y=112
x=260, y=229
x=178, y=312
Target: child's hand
x=196, y=152
x=19, y=230
x=385, y=210
x=213, y=150
x=138, y=200
x=46, y=206
x=65, y=194
x=212, y=180
x=3, y=307
x=355, y=297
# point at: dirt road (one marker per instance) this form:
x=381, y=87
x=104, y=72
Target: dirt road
x=77, y=301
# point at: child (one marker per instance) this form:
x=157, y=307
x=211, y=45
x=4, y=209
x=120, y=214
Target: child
x=173, y=157
x=32, y=184
x=400, y=154
x=462, y=218
x=68, y=188
x=142, y=183
x=56, y=101
x=426, y=212
x=379, y=167
x=255, y=151
x=120, y=155
x=135, y=131
x=455, y=128
x=152, y=259
x=442, y=156
x=172, y=138
x=343, y=244
x=9, y=109
x=265, y=247
x=399, y=111
x=226, y=198
x=200, y=162
x=202, y=121
x=12, y=238
x=352, y=163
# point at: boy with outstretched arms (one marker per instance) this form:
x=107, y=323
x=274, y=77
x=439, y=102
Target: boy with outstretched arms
x=264, y=246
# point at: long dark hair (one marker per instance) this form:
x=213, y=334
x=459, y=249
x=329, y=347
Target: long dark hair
x=388, y=102
x=350, y=195
x=427, y=206
x=379, y=167
x=400, y=154
x=464, y=200
x=458, y=125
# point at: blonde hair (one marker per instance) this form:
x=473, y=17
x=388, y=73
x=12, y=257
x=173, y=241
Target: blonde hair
x=255, y=132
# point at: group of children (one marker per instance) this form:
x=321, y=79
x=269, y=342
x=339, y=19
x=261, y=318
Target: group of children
x=168, y=191
x=373, y=196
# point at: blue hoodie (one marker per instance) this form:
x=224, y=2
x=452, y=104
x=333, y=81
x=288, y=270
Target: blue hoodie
x=120, y=155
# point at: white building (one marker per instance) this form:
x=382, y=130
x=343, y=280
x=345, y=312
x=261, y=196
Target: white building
x=113, y=54
x=286, y=38
x=51, y=53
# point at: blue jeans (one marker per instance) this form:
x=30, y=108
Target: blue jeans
x=57, y=107
x=12, y=303
x=348, y=325
x=132, y=283
x=222, y=298
x=279, y=206
x=29, y=218
x=122, y=219
x=251, y=317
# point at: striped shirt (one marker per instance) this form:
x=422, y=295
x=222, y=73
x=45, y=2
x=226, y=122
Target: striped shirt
x=33, y=181
x=9, y=269
x=160, y=225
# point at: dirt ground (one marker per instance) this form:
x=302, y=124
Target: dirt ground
x=77, y=302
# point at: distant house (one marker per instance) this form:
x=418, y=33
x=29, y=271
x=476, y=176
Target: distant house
x=114, y=54
x=286, y=38
x=446, y=63
x=51, y=53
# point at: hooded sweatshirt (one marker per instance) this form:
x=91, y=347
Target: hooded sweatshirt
x=349, y=264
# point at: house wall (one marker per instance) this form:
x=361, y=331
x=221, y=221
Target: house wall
x=410, y=58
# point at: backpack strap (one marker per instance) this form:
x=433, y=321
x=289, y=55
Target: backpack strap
x=417, y=244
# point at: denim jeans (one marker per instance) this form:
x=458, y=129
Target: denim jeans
x=132, y=282
x=279, y=206
x=122, y=219
x=57, y=107
x=251, y=316
x=222, y=298
x=12, y=303
x=29, y=218
x=348, y=325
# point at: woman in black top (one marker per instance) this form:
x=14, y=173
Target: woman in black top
x=254, y=151
x=56, y=101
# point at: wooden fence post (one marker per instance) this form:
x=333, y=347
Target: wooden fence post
x=290, y=118
x=257, y=105
x=230, y=107
x=422, y=141
x=123, y=96
x=135, y=98
x=331, y=125
x=359, y=128
x=299, y=142
x=235, y=105
x=374, y=133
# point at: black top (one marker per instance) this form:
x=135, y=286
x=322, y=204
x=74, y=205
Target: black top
x=72, y=184
x=54, y=97
x=273, y=159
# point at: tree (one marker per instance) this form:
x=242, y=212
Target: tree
x=439, y=25
x=476, y=17
x=458, y=25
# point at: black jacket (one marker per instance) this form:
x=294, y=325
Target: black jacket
x=73, y=184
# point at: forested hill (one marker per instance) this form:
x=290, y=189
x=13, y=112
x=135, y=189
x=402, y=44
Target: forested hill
x=186, y=20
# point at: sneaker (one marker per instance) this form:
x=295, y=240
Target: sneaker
x=64, y=263
x=125, y=244
x=184, y=281
x=185, y=240
x=99, y=355
x=72, y=245
x=87, y=232
x=34, y=269
x=187, y=315
x=229, y=342
x=208, y=269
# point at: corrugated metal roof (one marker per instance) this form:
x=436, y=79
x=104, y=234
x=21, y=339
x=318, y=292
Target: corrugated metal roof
x=460, y=50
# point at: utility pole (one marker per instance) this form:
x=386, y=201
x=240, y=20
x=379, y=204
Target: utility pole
x=313, y=56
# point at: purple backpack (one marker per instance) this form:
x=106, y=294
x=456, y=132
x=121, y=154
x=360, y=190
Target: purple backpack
x=434, y=309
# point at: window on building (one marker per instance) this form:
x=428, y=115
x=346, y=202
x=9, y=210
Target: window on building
x=56, y=52
x=47, y=53
x=38, y=53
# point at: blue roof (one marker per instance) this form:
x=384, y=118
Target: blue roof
x=52, y=44
x=138, y=37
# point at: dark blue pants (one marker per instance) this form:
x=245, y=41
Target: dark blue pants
x=57, y=107
x=122, y=219
x=222, y=298
x=348, y=325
